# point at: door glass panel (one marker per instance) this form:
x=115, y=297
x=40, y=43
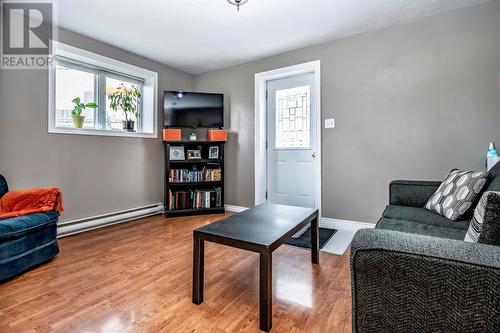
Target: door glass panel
x=293, y=118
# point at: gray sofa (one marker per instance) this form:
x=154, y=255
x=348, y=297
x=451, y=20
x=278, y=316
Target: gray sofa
x=414, y=272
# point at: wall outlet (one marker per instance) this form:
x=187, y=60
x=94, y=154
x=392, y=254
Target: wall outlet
x=330, y=123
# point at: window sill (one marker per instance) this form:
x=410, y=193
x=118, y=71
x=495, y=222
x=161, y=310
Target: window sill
x=82, y=131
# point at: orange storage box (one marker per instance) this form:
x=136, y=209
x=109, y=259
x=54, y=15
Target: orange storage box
x=171, y=134
x=217, y=135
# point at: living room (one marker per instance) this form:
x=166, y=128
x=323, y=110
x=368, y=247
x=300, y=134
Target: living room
x=245, y=165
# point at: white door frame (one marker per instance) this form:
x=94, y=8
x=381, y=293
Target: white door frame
x=261, y=124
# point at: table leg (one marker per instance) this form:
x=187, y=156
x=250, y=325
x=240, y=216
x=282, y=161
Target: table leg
x=198, y=269
x=315, y=241
x=266, y=291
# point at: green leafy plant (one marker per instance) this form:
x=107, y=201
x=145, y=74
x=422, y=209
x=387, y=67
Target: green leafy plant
x=127, y=100
x=79, y=106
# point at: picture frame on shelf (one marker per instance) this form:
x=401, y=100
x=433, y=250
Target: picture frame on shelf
x=213, y=152
x=177, y=153
x=194, y=154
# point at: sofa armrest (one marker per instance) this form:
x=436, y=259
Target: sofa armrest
x=412, y=283
x=19, y=226
x=413, y=193
x=4, y=188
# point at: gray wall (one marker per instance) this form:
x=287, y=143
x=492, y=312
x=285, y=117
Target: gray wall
x=410, y=102
x=97, y=174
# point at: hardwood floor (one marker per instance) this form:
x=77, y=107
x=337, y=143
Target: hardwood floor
x=136, y=277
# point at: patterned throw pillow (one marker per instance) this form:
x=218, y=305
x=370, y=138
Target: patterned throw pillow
x=457, y=193
x=485, y=225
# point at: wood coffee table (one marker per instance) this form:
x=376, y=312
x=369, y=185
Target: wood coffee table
x=261, y=229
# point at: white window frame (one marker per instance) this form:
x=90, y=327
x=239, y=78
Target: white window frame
x=149, y=93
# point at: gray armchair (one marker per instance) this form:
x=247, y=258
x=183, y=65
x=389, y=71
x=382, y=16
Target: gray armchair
x=414, y=272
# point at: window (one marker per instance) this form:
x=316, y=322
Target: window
x=73, y=83
x=293, y=118
x=93, y=78
x=114, y=118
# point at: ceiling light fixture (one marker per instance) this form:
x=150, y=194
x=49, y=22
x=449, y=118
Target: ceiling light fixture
x=237, y=3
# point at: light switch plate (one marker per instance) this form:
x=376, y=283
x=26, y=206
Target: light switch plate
x=330, y=123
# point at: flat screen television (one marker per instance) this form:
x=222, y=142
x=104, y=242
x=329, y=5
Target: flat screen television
x=193, y=109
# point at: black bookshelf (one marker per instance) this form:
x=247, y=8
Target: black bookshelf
x=199, y=164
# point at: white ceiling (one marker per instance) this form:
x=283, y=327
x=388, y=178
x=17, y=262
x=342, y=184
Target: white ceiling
x=197, y=36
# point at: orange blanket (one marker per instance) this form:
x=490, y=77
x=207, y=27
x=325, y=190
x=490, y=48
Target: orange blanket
x=36, y=200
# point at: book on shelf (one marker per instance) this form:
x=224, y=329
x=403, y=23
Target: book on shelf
x=195, y=175
x=195, y=199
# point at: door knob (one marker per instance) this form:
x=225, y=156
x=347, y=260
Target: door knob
x=314, y=155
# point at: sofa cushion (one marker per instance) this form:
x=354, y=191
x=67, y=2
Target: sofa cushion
x=485, y=225
x=19, y=246
x=20, y=225
x=421, y=228
x=457, y=193
x=422, y=215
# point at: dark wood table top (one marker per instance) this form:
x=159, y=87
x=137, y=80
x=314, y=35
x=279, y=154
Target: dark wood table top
x=266, y=225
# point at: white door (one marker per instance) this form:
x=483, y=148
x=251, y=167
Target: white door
x=291, y=140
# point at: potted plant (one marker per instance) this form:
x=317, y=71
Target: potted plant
x=127, y=100
x=76, y=114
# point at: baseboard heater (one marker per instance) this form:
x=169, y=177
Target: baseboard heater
x=90, y=223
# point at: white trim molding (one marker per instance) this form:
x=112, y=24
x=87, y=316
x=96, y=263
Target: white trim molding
x=336, y=224
x=100, y=221
x=261, y=124
x=235, y=209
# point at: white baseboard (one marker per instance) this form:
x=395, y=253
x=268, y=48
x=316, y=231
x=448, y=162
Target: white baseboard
x=330, y=223
x=235, y=209
x=81, y=225
x=95, y=222
x=325, y=222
